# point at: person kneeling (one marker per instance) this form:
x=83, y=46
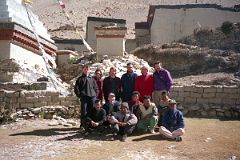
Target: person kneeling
x=172, y=122
x=95, y=119
x=123, y=122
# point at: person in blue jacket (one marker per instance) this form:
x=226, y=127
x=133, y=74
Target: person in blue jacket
x=172, y=122
x=127, y=83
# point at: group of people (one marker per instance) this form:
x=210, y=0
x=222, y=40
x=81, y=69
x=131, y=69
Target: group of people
x=132, y=102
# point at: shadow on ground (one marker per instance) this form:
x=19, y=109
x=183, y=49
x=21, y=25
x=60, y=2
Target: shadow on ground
x=150, y=137
x=68, y=134
x=47, y=132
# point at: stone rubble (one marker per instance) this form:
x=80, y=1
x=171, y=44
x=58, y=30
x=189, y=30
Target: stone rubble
x=120, y=63
x=47, y=112
x=106, y=62
x=57, y=120
x=24, y=76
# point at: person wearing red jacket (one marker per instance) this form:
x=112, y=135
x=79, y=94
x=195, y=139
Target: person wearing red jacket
x=144, y=83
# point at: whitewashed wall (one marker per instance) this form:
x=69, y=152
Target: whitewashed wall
x=20, y=54
x=91, y=36
x=110, y=46
x=172, y=24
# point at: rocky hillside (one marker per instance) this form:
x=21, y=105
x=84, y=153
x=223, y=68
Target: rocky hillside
x=226, y=37
x=183, y=60
x=132, y=10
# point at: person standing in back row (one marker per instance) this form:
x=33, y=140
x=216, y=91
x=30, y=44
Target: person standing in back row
x=98, y=78
x=86, y=89
x=127, y=82
x=144, y=83
x=112, y=84
x=163, y=82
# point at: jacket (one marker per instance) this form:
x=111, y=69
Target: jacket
x=99, y=84
x=86, y=86
x=144, y=85
x=128, y=118
x=112, y=85
x=115, y=107
x=95, y=116
x=162, y=80
x=173, y=119
x=127, y=82
x=151, y=110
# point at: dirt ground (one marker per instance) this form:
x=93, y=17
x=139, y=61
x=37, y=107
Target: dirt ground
x=204, y=139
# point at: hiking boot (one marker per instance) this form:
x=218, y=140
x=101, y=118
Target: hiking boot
x=178, y=139
x=124, y=138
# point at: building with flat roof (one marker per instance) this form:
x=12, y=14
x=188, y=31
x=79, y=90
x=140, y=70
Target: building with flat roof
x=168, y=23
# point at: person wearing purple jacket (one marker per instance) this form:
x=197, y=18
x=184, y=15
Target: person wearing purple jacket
x=163, y=82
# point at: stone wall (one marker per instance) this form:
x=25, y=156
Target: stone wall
x=208, y=101
x=194, y=101
x=28, y=104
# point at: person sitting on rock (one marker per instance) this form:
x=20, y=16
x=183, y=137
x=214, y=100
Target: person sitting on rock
x=95, y=119
x=123, y=122
x=149, y=118
x=162, y=107
x=172, y=122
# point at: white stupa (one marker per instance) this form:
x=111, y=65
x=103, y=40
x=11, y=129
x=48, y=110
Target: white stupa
x=17, y=39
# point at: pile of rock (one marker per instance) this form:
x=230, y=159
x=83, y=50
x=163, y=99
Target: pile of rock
x=183, y=60
x=46, y=112
x=16, y=72
x=57, y=120
x=120, y=63
x=106, y=62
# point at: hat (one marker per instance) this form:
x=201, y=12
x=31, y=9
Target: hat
x=125, y=104
x=172, y=101
x=111, y=94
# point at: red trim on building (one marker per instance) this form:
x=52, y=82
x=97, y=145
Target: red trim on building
x=24, y=41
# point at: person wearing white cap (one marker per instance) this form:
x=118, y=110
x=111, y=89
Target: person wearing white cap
x=172, y=122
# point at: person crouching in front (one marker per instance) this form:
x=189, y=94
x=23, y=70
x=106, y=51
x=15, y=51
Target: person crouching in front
x=95, y=119
x=123, y=122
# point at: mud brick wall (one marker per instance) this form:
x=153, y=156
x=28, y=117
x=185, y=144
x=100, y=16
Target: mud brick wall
x=32, y=102
x=208, y=101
